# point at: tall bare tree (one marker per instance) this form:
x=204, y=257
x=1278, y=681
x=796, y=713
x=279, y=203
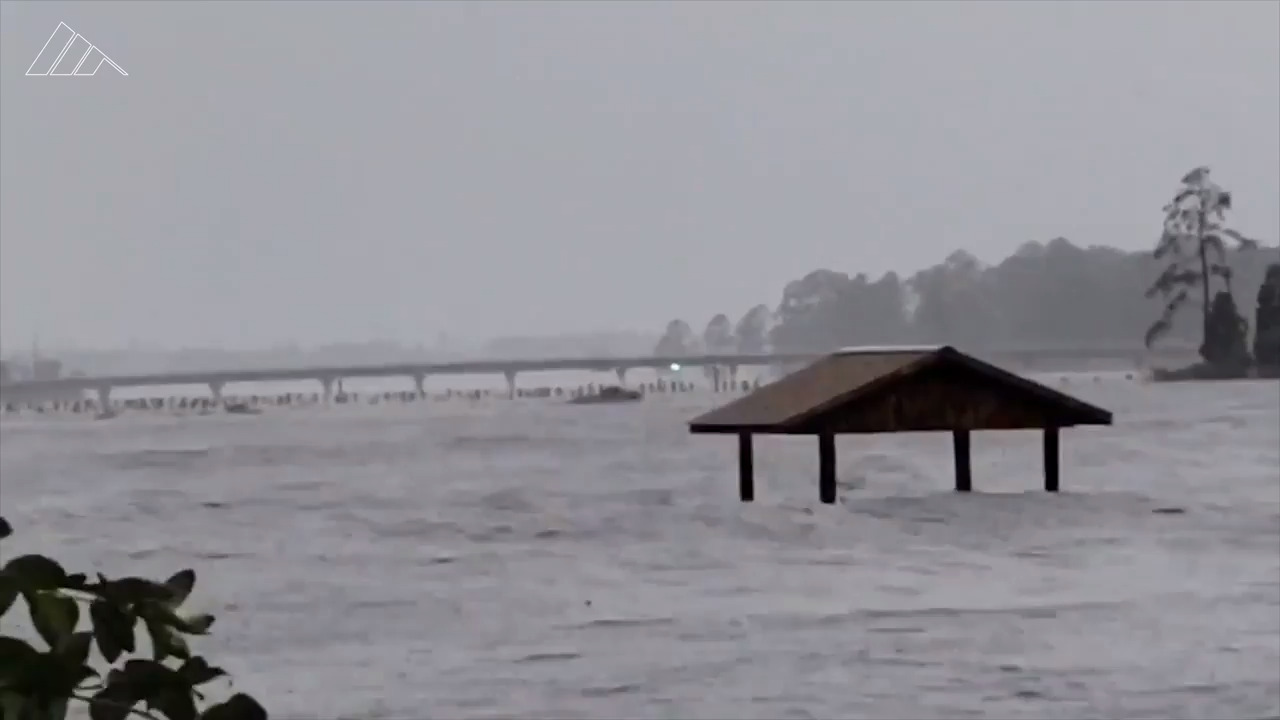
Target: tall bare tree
x=1194, y=244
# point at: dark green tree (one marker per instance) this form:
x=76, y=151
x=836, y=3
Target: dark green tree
x=809, y=315
x=1266, y=325
x=678, y=339
x=1044, y=295
x=40, y=684
x=718, y=336
x=1193, y=246
x=1226, y=343
x=957, y=303
x=751, y=334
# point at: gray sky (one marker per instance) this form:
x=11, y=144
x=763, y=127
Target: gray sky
x=318, y=171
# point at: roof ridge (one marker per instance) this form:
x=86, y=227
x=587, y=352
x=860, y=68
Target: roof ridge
x=805, y=399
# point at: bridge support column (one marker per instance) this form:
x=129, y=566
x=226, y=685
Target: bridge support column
x=964, y=469
x=622, y=375
x=215, y=389
x=1051, y=460
x=104, y=397
x=827, y=468
x=746, y=478
x=511, y=383
x=327, y=384
x=715, y=378
x=733, y=375
x=420, y=384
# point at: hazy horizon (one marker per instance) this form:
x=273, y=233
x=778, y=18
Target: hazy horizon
x=337, y=172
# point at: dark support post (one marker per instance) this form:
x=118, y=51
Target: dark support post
x=964, y=474
x=1051, y=459
x=746, y=481
x=827, y=468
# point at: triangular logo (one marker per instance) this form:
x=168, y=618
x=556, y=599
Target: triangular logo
x=67, y=53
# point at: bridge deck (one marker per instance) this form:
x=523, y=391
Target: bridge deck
x=476, y=367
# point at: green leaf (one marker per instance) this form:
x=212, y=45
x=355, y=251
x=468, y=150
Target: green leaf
x=176, y=704
x=36, y=572
x=15, y=656
x=145, y=670
x=148, y=679
x=8, y=593
x=197, y=671
x=5, y=528
x=56, y=709
x=12, y=705
x=134, y=590
x=180, y=586
x=161, y=614
x=113, y=702
x=86, y=673
x=54, y=615
x=237, y=707
x=195, y=624
x=112, y=629
x=74, y=650
x=165, y=642
x=45, y=676
x=14, y=651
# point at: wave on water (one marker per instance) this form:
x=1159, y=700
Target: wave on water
x=499, y=442
x=148, y=459
x=528, y=561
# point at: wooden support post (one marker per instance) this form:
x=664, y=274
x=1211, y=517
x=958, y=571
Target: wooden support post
x=1051, y=459
x=827, y=468
x=746, y=480
x=964, y=473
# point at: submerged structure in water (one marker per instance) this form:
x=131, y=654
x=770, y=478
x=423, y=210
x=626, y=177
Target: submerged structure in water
x=892, y=390
x=608, y=394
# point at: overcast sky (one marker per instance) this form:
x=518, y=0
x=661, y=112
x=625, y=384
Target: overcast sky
x=319, y=171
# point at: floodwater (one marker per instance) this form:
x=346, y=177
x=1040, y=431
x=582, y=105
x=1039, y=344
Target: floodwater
x=529, y=559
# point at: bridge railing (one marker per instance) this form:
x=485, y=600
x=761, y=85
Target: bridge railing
x=601, y=363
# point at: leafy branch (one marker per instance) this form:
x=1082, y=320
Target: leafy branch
x=40, y=684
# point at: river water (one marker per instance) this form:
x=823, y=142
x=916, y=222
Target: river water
x=529, y=559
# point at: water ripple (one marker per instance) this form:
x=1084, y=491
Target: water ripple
x=527, y=560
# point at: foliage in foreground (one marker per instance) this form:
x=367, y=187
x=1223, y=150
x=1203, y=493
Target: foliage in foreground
x=40, y=684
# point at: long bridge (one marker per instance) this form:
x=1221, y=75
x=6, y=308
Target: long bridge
x=328, y=376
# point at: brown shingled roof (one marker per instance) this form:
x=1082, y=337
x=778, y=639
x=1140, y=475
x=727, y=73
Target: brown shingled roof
x=898, y=390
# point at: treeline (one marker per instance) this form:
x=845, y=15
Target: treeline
x=1055, y=294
